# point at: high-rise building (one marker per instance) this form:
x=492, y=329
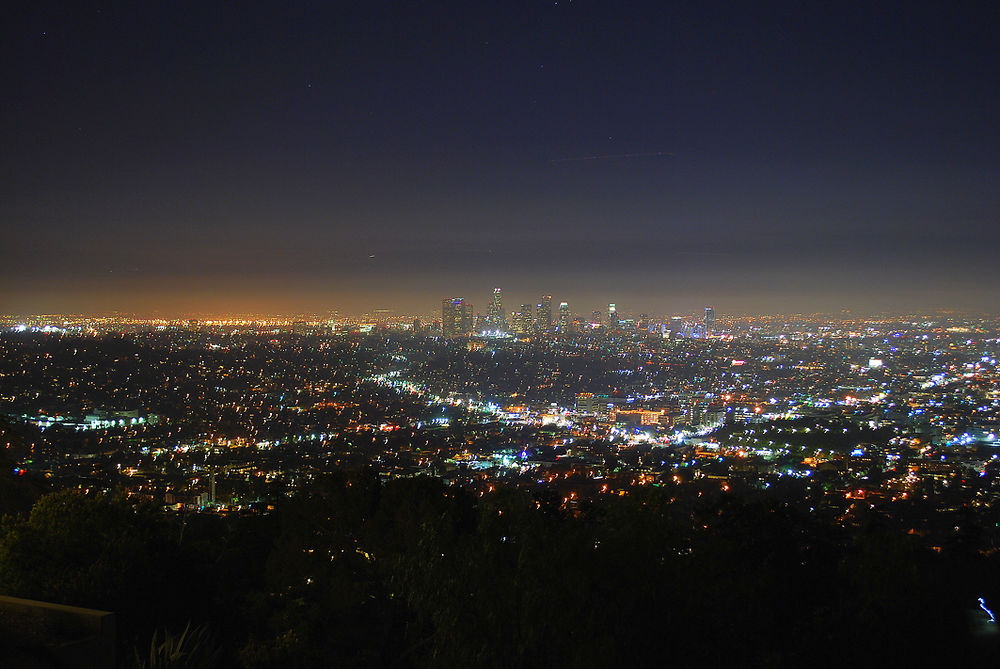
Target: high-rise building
x=596, y=317
x=497, y=318
x=564, y=317
x=709, y=321
x=673, y=327
x=523, y=322
x=451, y=310
x=612, y=315
x=543, y=314
x=456, y=317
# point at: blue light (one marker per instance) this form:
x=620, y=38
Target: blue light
x=982, y=605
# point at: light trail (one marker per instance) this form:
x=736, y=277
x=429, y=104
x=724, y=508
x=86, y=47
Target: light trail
x=982, y=605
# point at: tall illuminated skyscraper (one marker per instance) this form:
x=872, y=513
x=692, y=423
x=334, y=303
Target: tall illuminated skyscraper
x=456, y=317
x=523, y=323
x=497, y=318
x=543, y=314
x=612, y=315
x=709, y=321
x=564, y=316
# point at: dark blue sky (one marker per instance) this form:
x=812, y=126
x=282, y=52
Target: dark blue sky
x=757, y=156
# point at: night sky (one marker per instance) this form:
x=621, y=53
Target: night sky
x=282, y=157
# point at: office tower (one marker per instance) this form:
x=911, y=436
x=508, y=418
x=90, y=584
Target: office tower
x=673, y=327
x=612, y=316
x=451, y=316
x=523, y=323
x=596, y=317
x=709, y=321
x=468, y=318
x=543, y=314
x=587, y=402
x=497, y=318
x=564, y=317
x=456, y=317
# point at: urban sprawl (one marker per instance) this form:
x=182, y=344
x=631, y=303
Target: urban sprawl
x=898, y=416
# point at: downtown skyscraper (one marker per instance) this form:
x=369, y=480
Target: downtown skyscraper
x=496, y=319
x=523, y=323
x=543, y=314
x=456, y=317
x=564, y=317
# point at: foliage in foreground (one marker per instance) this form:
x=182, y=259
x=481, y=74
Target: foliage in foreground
x=191, y=649
x=415, y=573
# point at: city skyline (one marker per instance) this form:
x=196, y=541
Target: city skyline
x=285, y=305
